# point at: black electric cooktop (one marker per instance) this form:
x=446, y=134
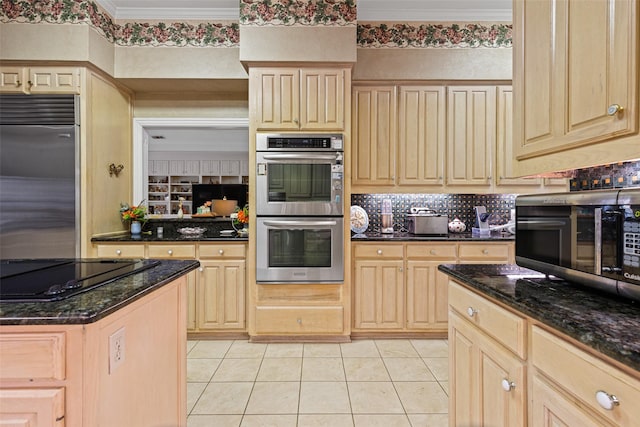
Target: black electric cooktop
x=52, y=280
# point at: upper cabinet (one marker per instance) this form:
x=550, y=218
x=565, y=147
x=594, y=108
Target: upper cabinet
x=575, y=80
x=40, y=79
x=299, y=98
x=436, y=137
x=471, y=134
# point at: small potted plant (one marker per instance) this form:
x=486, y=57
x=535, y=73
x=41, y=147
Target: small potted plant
x=240, y=220
x=136, y=214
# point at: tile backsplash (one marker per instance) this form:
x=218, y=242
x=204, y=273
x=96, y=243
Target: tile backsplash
x=451, y=205
x=617, y=175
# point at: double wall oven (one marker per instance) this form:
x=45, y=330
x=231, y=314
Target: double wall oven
x=299, y=208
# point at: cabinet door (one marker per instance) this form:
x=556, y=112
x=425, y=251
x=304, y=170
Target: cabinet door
x=192, y=167
x=158, y=167
x=53, y=80
x=488, y=385
x=551, y=408
x=421, y=143
x=12, y=79
x=373, y=136
x=177, y=167
x=471, y=134
x=191, y=301
x=426, y=295
x=322, y=99
x=230, y=167
x=210, y=167
x=379, y=294
x=504, y=142
x=220, y=295
x=30, y=407
x=574, y=62
x=277, y=98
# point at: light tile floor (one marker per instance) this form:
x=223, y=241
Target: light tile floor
x=368, y=383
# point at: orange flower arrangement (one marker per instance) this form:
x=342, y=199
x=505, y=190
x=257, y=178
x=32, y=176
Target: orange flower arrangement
x=243, y=215
x=133, y=213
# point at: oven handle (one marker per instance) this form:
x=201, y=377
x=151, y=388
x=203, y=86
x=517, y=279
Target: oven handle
x=299, y=156
x=541, y=222
x=289, y=224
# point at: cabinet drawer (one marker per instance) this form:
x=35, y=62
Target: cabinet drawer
x=32, y=356
x=484, y=251
x=501, y=324
x=582, y=375
x=32, y=406
x=378, y=251
x=222, y=251
x=434, y=251
x=172, y=251
x=120, y=251
x=297, y=320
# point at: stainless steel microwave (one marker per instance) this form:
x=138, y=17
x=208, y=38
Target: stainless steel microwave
x=299, y=174
x=591, y=238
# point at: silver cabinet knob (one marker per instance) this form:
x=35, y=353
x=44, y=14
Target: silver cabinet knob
x=471, y=311
x=201, y=269
x=118, y=252
x=614, y=109
x=606, y=400
x=379, y=251
x=508, y=385
x=432, y=252
x=221, y=251
x=299, y=321
x=485, y=251
x=170, y=252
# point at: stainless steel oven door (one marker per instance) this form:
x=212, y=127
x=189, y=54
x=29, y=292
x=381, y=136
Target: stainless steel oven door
x=299, y=183
x=299, y=250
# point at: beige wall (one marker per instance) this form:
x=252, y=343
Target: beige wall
x=177, y=106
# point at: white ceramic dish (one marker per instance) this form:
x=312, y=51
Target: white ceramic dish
x=227, y=232
x=359, y=220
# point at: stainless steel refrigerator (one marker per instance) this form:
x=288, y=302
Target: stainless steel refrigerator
x=39, y=176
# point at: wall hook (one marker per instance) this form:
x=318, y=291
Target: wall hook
x=115, y=170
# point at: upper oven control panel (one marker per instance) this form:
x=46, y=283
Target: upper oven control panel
x=299, y=142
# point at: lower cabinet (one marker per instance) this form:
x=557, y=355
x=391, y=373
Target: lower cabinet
x=487, y=382
x=66, y=375
x=397, y=286
x=215, y=292
x=507, y=369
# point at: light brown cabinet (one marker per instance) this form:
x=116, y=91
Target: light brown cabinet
x=299, y=98
x=64, y=375
x=216, y=296
x=507, y=369
x=575, y=81
x=442, y=138
x=471, y=131
x=582, y=381
x=40, y=79
x=398, y=288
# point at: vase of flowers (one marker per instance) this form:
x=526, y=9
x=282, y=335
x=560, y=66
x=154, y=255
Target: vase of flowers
x=136, y=214
x=240, y=220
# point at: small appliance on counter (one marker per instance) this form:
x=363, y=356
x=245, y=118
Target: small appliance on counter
x=387, y=217
x=423, y=220
x=481, y=226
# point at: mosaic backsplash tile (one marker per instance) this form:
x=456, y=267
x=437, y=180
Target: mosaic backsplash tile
x=617, y=175
x=452, y=205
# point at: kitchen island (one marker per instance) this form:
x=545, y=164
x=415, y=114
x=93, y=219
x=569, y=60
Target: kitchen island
x=537, y=348
x=114, y=355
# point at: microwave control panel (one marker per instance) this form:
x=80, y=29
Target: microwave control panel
x=631, y=243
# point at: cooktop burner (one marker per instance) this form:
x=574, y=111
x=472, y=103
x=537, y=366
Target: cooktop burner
x=53, y=280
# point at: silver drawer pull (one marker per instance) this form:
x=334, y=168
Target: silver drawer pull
x=471, y=311
x=201, y=269
x=433, y=252
x=170, y=252
x=508, y=385
x=606, y=400
x=379, y=251
x=221, y=252
x=118, y=252
x=485, y=251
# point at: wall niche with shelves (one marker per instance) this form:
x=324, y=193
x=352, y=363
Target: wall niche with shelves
x=171, y=175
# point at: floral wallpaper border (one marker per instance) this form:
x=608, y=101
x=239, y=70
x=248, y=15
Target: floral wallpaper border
x=422, y=35
x=192, y=34
x=258, y=12
x=298, y=12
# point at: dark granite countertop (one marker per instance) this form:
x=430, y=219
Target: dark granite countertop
x=606, y=323
x=96, y=303
x=408, y=237
x=169, y=237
